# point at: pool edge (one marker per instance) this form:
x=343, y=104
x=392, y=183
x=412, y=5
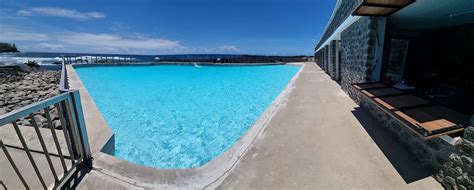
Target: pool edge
x=209, y=175
x=256, y=132
x=174, y=63
x=101, y=136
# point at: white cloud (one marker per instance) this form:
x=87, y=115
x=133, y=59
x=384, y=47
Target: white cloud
x=228, y=48
x=61, y=12
x=53, y=47
x=115, y=41
x=25, y=12
x=69, y=41
x=12, y=34
x=91, y=42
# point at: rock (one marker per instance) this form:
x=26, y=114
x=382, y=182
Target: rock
x=26, y=102
x=7, y=97
x=3, y=110
x=451, y=169
x=20, y=94
x=54, y=114
x=466, y=147
x=465, y=181
x=469, y=133
x=40, y=119
x=462, y=161
x=26, y=122
x=20, y=88
x=57, y=124
x=439, y=176
x=449, y=183
x=15, y=100
x=43, y=93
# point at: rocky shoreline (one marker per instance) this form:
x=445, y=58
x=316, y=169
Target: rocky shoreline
x=19, y=88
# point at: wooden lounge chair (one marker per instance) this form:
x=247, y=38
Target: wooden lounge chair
x=434, y=120
x=379, y=92
x=364, y=86
x=401, y=101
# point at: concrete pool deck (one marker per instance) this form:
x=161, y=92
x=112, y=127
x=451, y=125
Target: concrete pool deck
x=318, y=139
x=321, y=139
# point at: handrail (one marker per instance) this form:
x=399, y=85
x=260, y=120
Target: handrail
x=69, y=109
x=15, y=114
x=63, y=83
x=89, y=59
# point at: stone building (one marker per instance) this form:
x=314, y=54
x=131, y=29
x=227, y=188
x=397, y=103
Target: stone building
x=427, y=46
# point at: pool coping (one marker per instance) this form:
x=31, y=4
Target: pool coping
x=209, y=175
x=101, y=136
x=174, y=63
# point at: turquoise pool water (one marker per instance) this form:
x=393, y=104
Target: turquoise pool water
x=181, y=116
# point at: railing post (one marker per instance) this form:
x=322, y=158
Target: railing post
x=81, y=126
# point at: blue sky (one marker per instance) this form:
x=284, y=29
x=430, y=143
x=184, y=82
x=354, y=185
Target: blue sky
x=269, y=27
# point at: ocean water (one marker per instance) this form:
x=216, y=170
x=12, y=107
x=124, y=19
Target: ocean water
x=47, y=58
x=51, y=58
x=181, y=116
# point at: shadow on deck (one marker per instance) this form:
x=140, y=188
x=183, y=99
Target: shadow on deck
x=407, y=166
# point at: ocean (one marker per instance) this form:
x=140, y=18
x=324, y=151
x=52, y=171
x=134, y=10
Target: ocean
x=52, y=58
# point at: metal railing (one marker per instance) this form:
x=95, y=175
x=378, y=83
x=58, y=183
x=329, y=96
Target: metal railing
x=68, y=107
x=63, y=80
x=99, y=59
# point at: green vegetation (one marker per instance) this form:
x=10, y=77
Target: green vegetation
x=7, y=47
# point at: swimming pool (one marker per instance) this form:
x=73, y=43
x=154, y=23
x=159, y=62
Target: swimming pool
x=181, y=116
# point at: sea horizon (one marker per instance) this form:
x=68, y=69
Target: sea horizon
x=49, y=58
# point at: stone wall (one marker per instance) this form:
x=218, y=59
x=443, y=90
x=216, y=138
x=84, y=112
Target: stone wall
x=451, y=165
x=344, y=10
x=458, y=171
x=326, y=58
x=332, y=59
x=358, y=53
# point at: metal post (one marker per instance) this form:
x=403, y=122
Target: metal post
x=55, y=137
x=81, y=126
x=43, y=145
x=66, y=134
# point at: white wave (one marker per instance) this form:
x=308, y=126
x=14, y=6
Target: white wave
x=12, y=60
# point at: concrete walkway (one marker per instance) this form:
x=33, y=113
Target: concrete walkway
x=9, y=137
x=321, y=139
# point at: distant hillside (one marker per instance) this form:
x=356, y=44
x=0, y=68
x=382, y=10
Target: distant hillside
x=7, y=47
